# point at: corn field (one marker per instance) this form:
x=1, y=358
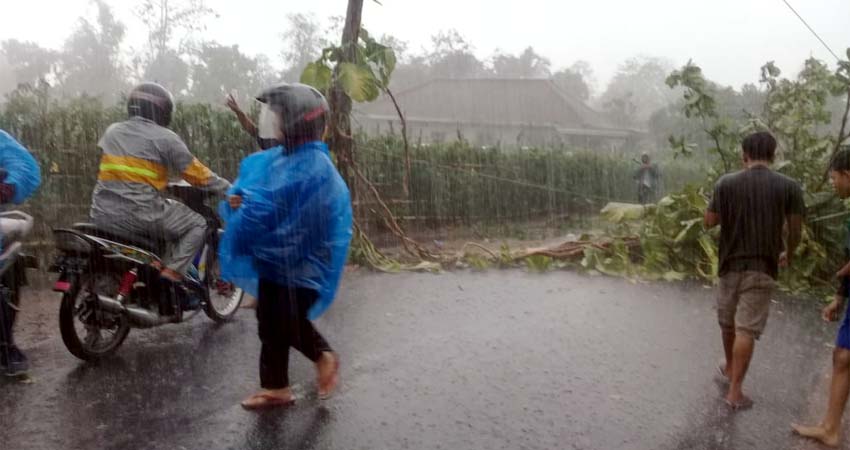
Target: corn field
x=450, y=184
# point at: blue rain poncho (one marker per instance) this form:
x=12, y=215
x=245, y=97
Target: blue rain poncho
x=294, y=225
x=21, y=169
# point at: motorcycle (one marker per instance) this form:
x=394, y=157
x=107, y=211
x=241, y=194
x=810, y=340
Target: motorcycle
x=110, y=282
x=13, y=265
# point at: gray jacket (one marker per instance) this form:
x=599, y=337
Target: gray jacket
x=139, y=158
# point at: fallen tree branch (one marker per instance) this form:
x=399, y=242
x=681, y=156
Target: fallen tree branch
x=409, y=245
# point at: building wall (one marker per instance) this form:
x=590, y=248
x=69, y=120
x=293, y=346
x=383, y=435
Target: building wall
x=485, y=135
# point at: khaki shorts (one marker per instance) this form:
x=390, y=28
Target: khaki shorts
x=744, y=301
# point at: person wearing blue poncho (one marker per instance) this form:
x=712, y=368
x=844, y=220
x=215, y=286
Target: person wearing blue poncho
x=22, y=175
x=286, y=239
x=19, y=179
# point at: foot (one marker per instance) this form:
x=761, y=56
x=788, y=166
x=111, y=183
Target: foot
x=187, y=292
x=269, y=398
x=171, y=275
x=184, y=296
x=818, y=433
x=14, y=362
x=249, y=303
x=328, y=371
x=739, y=402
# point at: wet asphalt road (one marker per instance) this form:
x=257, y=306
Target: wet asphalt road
x=495, y=360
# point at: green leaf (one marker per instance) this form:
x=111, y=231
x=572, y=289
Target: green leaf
x=477, y=262
x=539, y=263
x=673, y=275
x=710, y=252
x=615, y=212
x=687, y=230
x=358, y=82
x=782, y=165
x=388, y=62
x=317, y=75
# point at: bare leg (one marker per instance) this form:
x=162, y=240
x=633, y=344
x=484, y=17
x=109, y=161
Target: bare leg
x=327, y=368
x=728, y=345
x=828, y=431
x=742, y=353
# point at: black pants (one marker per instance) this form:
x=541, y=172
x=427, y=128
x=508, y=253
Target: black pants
x=282, y=323
x=7, y=317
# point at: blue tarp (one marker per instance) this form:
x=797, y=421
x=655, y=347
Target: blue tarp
x=294, y=225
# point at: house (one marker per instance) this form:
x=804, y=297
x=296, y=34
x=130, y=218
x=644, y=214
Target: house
x=490, y=112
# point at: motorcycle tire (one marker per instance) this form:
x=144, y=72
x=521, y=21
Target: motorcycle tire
x=84, y=348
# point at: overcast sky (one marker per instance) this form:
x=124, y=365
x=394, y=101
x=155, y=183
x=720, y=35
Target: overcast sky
x=730, y=39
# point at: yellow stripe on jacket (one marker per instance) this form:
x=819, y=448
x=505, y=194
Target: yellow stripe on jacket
x=197, y=174
x=133, y=170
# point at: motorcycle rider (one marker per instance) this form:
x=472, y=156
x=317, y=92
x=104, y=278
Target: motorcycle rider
x=139, y=156
x=21, y=178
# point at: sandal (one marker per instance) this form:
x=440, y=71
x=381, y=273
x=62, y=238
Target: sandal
x=266, y=401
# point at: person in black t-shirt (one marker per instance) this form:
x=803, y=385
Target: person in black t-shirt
x=752, y=207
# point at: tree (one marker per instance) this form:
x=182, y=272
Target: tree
x=637, y=90
x=738, y=105
x=573, y=82
x=527, y=64
x=622, y=110
x=91, y=58
x=452, y=57
x=412, y=69
x=584, y=69
x=399, y=46
x=171, y=25
x=798, y=113
x=170, y=70
x=220, y=69
x=414, y=72
x=362, y=68
x=29, y=62
x=7, y=77
x=303, y=43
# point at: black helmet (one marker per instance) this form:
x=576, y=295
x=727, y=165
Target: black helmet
x=151, y=101
x=303, y=111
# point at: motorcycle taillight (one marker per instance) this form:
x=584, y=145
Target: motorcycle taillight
x=127, y=283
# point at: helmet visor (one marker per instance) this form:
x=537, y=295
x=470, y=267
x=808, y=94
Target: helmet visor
x=267, y=123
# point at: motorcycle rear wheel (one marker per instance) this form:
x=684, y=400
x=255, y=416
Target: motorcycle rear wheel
x=83, y=323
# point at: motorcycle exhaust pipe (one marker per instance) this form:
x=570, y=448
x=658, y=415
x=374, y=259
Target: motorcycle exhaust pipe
x=138, y=316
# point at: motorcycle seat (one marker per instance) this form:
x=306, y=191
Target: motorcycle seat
x=153, y=245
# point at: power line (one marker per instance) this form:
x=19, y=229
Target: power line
x=810, y=28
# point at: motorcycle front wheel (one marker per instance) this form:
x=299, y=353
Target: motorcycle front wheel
x=224, y=297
